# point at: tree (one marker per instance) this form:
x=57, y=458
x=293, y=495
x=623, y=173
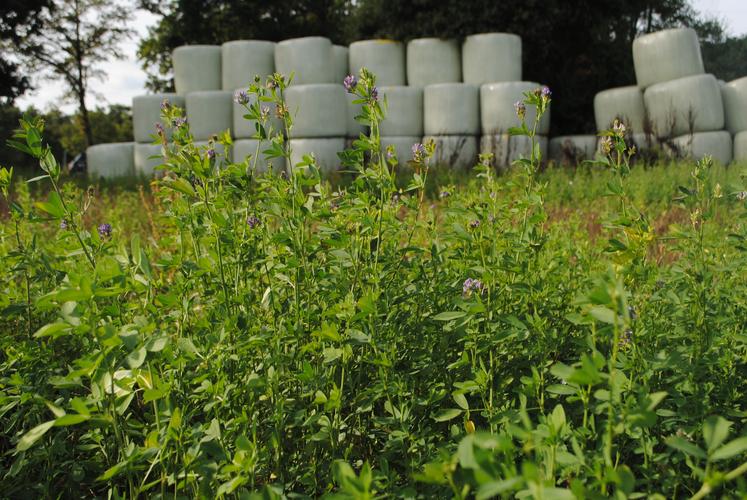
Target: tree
x=217, y=21
x=74, y=38
x=18, y=19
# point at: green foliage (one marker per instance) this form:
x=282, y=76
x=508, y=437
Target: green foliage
x=249, y=335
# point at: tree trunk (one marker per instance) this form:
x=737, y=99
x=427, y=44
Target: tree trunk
x=85, y=122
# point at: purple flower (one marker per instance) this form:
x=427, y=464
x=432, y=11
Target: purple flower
x=418, y=152
x=444, y=194
x=105, y=230
x=63, y=224
x=545, y=92
x=374, y=94
x=253, y=221
x=165, y=105
x=159, y=128
x=474, y=224
x=211, y=154
x=350, y=82
x=241, y=97
x=472, y=285
x=521, y=109
x=179, y=121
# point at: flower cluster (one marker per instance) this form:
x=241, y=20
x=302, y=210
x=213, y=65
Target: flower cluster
x=63, y=224
x=165, y=105
x=105, y=230
x=241, y=97
x=179, y=121
x=474, y=224
x=521, y=109
x=472, y=285
x=253, y=221
x=418, y=152
x=350, y=82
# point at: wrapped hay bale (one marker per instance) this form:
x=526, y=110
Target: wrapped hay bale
x=740, y=147
x=433, y=60
x=318, y=110
x=690, y=104
x=384, y=58
x=572, y=149
x=111, y=161
x=734, y=95
x=244, y=149
x=196, y=68
x=310, y=59
x=622, y=103
x=324, y=150
x=451, y=109
x=404, y=114
x=507, y=148
x=491, y=57
x=666, y=55
x=339, y=63
x=454, y=151
x=147, y=158
x=717, y=144
x=242, y=60
x=209, y=112
x=497, y=111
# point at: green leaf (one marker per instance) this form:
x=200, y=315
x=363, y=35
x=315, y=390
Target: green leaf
x=448, y=414
x=32, y=436
x=730, y=449
x=715, y=431
x=71, y=419
x=53, y=330
x=448, y=316
x=460, y=400
x=603, y=314
x=136, y=357
x=685, y=446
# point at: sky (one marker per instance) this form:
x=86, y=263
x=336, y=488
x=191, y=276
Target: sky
x=125, y=79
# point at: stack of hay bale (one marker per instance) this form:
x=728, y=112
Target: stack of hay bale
x=735, y=107
x=684, y=105
x=316, y=102
x=492, y=61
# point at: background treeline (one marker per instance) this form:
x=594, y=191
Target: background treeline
x=577, y=48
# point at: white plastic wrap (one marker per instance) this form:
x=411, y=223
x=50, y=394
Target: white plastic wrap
x=718, y=144
x=318, y=110
x=402, y=146
x=111, y=161
x=454, y=151
x=433, y=60
x=570, y=149
x=242, y=60
x=244, y=128
x=497, y=111
x=690, y=104
x=506, y=148
x=247, y=148
x=734, y=94
x=383, y=58
x=623, y=103
x=451, y=109
x=404, y=114
x=491, y=57
x=340, y=63
x=147, y=158
x=196, y=67
x=209, y=112
x=666, y=55
x=740, y=147
x=324, y=151
x=309, y=58
x=146, y=112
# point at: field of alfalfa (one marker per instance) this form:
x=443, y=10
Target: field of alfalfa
x=402, y=333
